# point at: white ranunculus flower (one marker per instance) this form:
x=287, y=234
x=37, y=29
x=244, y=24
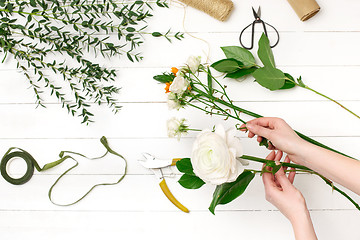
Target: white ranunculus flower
x=176, y=127
x=193, y=63
x=214, y=156
x=179, y=85
x=173, y=102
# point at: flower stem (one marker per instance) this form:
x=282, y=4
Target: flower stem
x=255, y=115
x=304, y=169
x=323, y=95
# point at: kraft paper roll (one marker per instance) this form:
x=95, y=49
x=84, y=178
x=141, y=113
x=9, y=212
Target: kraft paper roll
x=219, y=9
x=305, y=9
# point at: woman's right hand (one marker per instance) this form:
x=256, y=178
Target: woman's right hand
x=278, y=132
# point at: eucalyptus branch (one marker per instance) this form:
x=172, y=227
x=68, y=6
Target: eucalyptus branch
x=67, y=29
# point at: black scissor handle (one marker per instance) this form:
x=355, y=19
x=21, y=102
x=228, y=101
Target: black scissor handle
x=253, y=31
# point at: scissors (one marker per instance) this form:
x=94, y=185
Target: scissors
x=155, y=166
x=257, y=20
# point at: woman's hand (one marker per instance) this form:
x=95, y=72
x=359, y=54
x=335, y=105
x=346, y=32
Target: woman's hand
x=279, y=133
x=280, y=191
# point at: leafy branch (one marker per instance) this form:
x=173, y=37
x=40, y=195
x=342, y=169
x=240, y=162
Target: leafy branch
x=240, y=62
x=46, y=36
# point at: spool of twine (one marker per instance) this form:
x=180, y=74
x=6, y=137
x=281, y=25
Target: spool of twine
x=305, y=9
x=219, y=9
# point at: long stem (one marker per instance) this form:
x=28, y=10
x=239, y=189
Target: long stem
x=323, y=95
x=255, y=115
x=296, y=166
x=313, y=90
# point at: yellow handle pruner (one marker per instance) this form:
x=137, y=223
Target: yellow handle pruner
x=155, y=165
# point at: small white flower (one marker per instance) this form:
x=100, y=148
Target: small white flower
x=179, y=85
x=176, y=127
x=214, y=156
x=193, y=63
x=173, y=102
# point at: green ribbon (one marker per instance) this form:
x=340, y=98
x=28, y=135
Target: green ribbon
x=31, y=163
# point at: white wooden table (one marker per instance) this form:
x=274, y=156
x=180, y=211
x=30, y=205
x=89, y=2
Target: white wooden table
x=324, y=51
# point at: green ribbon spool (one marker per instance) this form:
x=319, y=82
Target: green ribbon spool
x=32, y=163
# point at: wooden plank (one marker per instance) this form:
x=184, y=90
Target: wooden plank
x=138, y=120
x=142, y=193
x=138, y=86
x=139, y=225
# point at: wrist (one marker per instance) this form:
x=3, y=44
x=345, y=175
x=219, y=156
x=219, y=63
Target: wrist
x=303, y=227
x=300, y=155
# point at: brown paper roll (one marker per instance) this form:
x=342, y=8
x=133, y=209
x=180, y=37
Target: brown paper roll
x=219, y=9
x=305, y=9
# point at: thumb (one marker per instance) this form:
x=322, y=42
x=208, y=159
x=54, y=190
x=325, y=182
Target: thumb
x=282, y=179
x=258, y=130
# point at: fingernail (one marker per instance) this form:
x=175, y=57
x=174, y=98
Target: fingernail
x=277, y=162
x=249, y=126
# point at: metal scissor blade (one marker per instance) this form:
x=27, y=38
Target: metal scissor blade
x=156, y=163
x=257, y=14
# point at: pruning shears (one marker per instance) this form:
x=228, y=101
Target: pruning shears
x=155, y=166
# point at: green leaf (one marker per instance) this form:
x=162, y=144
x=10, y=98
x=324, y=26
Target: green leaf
x=264, y=52
x=33, y=3
x=288, y=84
x=240, y=54
x=164, y=78
x=241, y=73
x=185, y=166
x=156, y=34
x=130, y=29
x=270, y=78
x=191, y=181
x=264, y=142
x=227, y=192
x=227, y=65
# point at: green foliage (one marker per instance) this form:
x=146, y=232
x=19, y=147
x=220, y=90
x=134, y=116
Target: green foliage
x=241, y=73
x=67, y=29
x=270, y=78
x=229, y=65
x=288, y=83
x=264, y=52
x=227, y=192
x=188, y=180
x=164, y=78
x=241, y=54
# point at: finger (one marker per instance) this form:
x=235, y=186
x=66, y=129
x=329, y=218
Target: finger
x=258, y=130
x=243, y=128
x=251, y=134
x=271, y=146
x=291, y=176
x=259, y=139
x=271, y=156
x=278, y=156
x=287, y=160
x=263, y=121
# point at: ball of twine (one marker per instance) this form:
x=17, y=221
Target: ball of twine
x=219, y=9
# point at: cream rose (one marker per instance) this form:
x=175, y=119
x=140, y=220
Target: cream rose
x=193, y=63
x=214, y=156
x=179, y=85
x=176, y=127
x=173, y=102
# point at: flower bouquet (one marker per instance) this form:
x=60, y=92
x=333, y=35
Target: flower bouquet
x=217, y=156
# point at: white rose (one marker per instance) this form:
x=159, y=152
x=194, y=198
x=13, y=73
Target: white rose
x=176, y=127
x=214, y=156
x=193, y=63
x=173, y=102
x=179, y=85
